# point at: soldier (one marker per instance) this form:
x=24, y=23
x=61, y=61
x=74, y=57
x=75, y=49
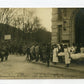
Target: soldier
x=43, y=52
x=28, y=54
x=32, y=52
x=40, y=53
x=37, y=52
x=48, y=49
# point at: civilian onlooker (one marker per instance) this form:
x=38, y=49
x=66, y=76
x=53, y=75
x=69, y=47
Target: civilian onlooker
x=59, y=48
x=73, y=49
x=67, y=57
x=55, y=54
x=78, y=48
x=62, y=47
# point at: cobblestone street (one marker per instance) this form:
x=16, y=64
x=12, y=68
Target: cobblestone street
x=17, y=68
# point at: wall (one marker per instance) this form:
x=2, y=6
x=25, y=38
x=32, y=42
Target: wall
x=63, y=30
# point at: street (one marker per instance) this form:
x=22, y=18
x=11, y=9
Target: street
x=16, y=67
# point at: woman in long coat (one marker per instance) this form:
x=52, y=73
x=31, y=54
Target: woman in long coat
x=55, y=54
x=67, y=57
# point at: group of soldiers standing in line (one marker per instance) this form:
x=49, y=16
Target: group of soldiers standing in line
x=36, y=52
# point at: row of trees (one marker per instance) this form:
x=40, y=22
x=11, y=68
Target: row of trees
x=26, y=30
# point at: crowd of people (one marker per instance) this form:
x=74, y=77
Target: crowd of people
x=36, y=52
x=47, y=53
x=65, y=50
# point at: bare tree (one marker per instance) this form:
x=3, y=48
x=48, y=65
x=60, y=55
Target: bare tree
x=28, y=21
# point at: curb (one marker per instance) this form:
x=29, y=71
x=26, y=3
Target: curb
x=68, y=68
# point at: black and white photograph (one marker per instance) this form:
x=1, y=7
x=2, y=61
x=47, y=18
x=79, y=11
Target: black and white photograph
x=41, y=43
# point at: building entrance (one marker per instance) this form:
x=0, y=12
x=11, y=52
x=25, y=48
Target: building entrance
x=79, y=28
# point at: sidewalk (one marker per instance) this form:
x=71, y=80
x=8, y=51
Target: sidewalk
x=73, y=67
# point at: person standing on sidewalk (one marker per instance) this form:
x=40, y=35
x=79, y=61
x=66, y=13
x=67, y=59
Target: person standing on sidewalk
x=48, y=49
x=67, y=57
x=43, y=52
x=32, y=52
x=73, y=49
x=28, y=54
x=37, y=52
x=55, y=54
x=40, y=53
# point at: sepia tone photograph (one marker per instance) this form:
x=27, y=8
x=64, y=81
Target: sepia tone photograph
x=41, y=43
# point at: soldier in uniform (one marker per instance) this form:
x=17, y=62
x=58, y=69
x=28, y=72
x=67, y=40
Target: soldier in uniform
x=32, y=52
x=48, y=49
x=28, y=54
x=37, y=52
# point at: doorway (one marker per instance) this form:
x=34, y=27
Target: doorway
x=79, y=28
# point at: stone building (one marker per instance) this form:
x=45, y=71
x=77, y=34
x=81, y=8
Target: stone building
x=68, y=25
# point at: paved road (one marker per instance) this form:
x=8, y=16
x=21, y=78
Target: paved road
x=17, y=68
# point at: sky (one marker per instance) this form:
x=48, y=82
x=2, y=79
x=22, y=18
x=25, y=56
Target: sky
x=45, y=15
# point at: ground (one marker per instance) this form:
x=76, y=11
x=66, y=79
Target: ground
x=16, y=67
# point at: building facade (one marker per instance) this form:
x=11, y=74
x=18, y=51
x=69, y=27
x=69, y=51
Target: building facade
x=64, y=25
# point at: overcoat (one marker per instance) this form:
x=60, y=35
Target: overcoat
x=55, y=55
x=67, y=56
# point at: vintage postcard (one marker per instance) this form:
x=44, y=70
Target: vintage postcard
x=41, y=43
